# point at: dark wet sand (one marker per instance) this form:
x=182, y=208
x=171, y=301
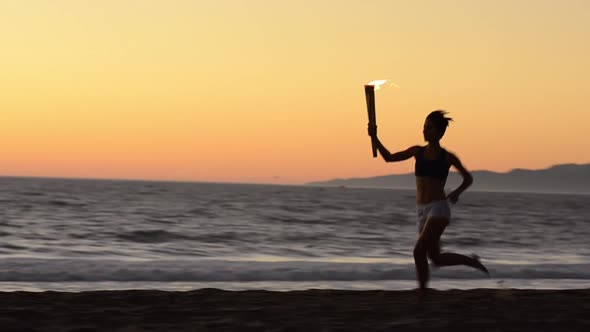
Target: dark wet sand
x=312, y=310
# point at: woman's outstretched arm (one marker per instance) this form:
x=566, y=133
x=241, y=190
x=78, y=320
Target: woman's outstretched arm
x=388, y=156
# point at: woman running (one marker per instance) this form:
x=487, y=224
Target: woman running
x=433, y=210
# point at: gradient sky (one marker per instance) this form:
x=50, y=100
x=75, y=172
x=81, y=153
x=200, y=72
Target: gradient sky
x=272, y=91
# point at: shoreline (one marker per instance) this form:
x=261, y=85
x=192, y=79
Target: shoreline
x=325, y=310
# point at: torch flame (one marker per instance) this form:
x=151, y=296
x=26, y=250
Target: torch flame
x=377, y=84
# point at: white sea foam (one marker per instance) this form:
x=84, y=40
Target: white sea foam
x=78, y=270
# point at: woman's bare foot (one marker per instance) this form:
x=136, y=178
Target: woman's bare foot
x=478, y=265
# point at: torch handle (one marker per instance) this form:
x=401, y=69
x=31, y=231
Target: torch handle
x=370, y=96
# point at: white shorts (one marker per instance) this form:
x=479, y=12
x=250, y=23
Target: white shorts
x=433, y=209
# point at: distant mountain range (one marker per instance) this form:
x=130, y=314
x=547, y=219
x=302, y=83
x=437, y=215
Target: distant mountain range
x=567, y=178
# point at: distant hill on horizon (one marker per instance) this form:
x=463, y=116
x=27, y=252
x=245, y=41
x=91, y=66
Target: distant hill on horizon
x=564, y=178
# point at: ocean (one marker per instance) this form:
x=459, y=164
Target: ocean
x=79, y=235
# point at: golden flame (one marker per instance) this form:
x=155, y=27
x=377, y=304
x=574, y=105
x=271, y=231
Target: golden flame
x=377, y=84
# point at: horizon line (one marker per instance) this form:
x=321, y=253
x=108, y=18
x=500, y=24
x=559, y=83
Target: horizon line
x=49, y=177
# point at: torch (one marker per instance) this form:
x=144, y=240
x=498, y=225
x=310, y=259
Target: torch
x=370, y=95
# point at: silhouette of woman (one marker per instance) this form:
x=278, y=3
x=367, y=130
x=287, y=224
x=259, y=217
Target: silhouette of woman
x=432, y=204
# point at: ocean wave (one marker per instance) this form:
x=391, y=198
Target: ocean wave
x=65, y=203
x=152, y=236
x=95, y=270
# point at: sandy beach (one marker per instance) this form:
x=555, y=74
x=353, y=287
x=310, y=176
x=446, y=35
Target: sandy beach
x=311, y=310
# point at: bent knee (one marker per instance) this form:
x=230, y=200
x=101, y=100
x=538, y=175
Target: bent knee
x=420, y=249
x=434, y=258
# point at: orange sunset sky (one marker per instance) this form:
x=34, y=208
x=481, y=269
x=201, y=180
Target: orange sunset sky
x=272, y=91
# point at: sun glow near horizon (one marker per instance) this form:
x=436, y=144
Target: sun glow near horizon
x=271, y=92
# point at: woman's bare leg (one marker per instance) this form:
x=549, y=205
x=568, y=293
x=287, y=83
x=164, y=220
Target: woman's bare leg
x=428, y=245
x=421, y=262
x=449, y=258
x=428, y=239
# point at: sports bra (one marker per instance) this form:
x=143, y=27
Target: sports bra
x=437, y=168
